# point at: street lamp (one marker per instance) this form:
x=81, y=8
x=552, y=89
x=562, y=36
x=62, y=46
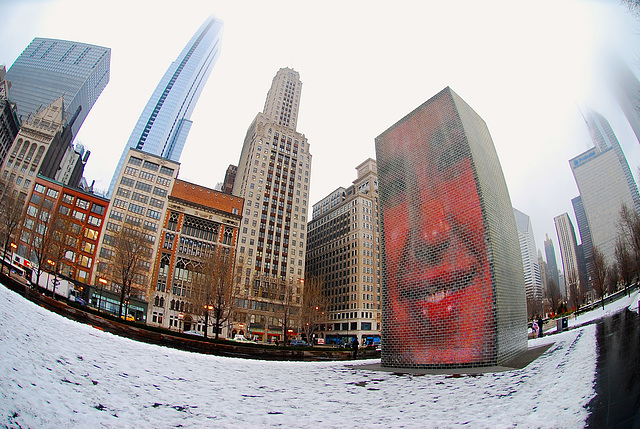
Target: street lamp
x=207, y=309
x=55, y=279
x=103, y=283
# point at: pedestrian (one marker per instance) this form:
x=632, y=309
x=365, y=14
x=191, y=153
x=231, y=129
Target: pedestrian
x=354, y=346
x=540, y=326
x=534, y=327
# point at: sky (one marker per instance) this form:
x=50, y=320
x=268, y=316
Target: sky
x=55, y=372
x=523, y=67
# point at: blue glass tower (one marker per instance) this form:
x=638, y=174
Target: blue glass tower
x=164, y=124
x=49, y=68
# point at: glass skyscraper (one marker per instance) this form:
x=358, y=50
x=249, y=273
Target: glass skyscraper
x=49, y=68
x=164, y=124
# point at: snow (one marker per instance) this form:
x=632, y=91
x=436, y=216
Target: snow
x=58, y=373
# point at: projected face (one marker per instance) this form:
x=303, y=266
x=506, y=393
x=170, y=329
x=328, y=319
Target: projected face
x=439, y=290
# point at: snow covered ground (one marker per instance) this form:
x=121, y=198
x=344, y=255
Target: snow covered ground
x=58, y=373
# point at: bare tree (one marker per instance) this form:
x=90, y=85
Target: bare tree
x=43, y=236
x=11, y=215
x=613, y=278
x=314, y=305
x=629, y=229
x=574, y=288
x=553, y=294
x=624, y=261
x=215, y=288
x=289, y=305
x=599, y=276
x=131, y=249
x=633, y=6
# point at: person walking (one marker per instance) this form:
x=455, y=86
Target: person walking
x=540, y=326
x=354, y=346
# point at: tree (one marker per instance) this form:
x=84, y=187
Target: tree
x=599, y=275
x=131, y=250
x=11, y=215
x=574, y=288
x=314, y=305
x=553, y=294
x=633, y=6
x=43, y=235
x=613, y=278
x=215, y=289
x=629, y=229
x=289, y=304
x=624, y=261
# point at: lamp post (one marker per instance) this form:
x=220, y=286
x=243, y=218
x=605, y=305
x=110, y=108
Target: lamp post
x=103, y=283
x=207, y=309
x=55, y=279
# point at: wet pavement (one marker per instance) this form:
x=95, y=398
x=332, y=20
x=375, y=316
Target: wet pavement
x=617, y=404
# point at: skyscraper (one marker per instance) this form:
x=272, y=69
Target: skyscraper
x=273, y=177
x=9, y=122
x=626, y=87
x=532, y=281
x=50, y=68
x=568, y=249
x=165, y=122
x=604, y=138
x=552, y=264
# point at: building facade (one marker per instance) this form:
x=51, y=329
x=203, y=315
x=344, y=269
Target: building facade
x=165, y=121
x=552, y=263
x=343, y=251
x=568, y=249
x=273, y=178
x=201, y=224
x=453, y=292
x=139, y=204
x=49, y=69
x=9, y=122
x=604, y=188
x=526, y=237
x=69, y=222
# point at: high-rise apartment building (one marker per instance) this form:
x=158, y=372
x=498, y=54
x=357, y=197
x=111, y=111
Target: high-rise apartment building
x=552, y=264
x=568, y=249
x=165, y=122
x=49, y=69
x=532, y=280
x=343, y=252
x=273, y=178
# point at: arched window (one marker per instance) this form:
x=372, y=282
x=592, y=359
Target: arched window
x=173, y=304
x=39, y=155
x=156, y=301
x=161, y=302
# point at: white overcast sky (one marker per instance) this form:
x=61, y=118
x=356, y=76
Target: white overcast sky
x=522, y=66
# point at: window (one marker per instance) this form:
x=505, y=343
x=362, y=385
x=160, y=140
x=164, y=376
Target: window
x=130, y=171
x=91, y=234
x=126, y=181
x=163, y=181
x=88, y=247
x=39, y=188
x=159, y=191
x=156, y=203
x=122, y=204
x=153, y=214
x=98, y=209
x=123, y=192
x=116, y=215
x=136, y=208
x=145, y=187
x=95, y=221
x=83, y=204
x=135, y=161
x=85, y=261
x=64, y=210
x=150, y=166
x=52, y=193
x=147, y=176
x=79, y=215
x=166, y=170
x=139, y=197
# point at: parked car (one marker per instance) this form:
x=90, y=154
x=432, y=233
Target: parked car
x=196, y=333
x=298, y=343
x=241, y=339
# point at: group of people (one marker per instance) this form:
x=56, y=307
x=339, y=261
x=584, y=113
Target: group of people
x=537, y=327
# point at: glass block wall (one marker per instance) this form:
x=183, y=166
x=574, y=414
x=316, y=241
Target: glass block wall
x=453, y=284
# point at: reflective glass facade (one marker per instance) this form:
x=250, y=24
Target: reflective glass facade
x=164, y=124
x=49, y=68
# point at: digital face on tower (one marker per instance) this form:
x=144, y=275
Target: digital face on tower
x=439, y=294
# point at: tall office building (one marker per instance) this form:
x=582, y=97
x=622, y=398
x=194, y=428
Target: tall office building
x=585, y=234
x=343, y=249
x=552, y=264
x=532, y=280
x=9, y=122
x=604, y=138
x=273, y=177
x=49, y=68
x=626, y=88
x=603, y=189
x=165, y=122
x=568, y=248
